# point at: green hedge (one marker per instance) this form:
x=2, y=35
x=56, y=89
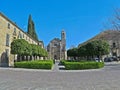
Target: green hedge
x=41, y=64
x=62, y=62
x=83, y=65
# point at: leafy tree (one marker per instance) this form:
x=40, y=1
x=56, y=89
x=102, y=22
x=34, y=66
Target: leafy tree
x=20, y=47
x=90, y=47
x=23, y=48
x=94, y=48
x=45, y=54
x=34, y=50
x=42, y=52
x=101, y=47
x=82, y=51
x=72, y=53
x=31, y=28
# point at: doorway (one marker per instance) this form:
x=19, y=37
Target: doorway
x=5, y=58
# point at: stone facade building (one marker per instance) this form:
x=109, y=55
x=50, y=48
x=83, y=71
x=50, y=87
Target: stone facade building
x=9, y=31
x=57, y=48
x=113, y=38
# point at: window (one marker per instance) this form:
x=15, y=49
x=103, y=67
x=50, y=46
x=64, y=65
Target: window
x=20, y=35
x=14, y=38
x=23, y=35
x=7, y=39
x=26, y=37
x=14, y=33
x=8, y=25
x=55, y=44
x=114, y=45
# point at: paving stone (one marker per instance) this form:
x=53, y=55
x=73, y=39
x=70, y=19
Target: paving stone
x=107, y=78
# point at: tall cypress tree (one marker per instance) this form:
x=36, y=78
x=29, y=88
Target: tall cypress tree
x=31, y=28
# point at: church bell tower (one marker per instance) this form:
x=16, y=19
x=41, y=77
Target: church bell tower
x=63, y=45
x=63, y=39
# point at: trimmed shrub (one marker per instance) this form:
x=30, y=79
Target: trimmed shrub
x=83, y=65
x=41, y=64
x=62, y=62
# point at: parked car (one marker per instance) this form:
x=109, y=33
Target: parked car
x=115, y=58
x=108, y=59
x=97, y=60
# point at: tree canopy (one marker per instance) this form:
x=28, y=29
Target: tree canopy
x=90, y=49
x=72, y=52
x=96, y=47
x=22, y=47
x=31, y=28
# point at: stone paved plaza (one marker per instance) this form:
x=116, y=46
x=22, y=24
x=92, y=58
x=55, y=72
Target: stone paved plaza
x=107, y=78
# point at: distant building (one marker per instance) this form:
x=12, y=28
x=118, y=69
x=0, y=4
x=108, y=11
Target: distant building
x=57, y=48
x=9, y=31
x=112, y=37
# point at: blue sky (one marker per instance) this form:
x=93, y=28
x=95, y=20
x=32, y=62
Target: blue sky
x=81, y=19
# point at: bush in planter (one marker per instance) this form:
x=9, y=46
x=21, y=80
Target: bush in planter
x=83, y=65
x=41, y=64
